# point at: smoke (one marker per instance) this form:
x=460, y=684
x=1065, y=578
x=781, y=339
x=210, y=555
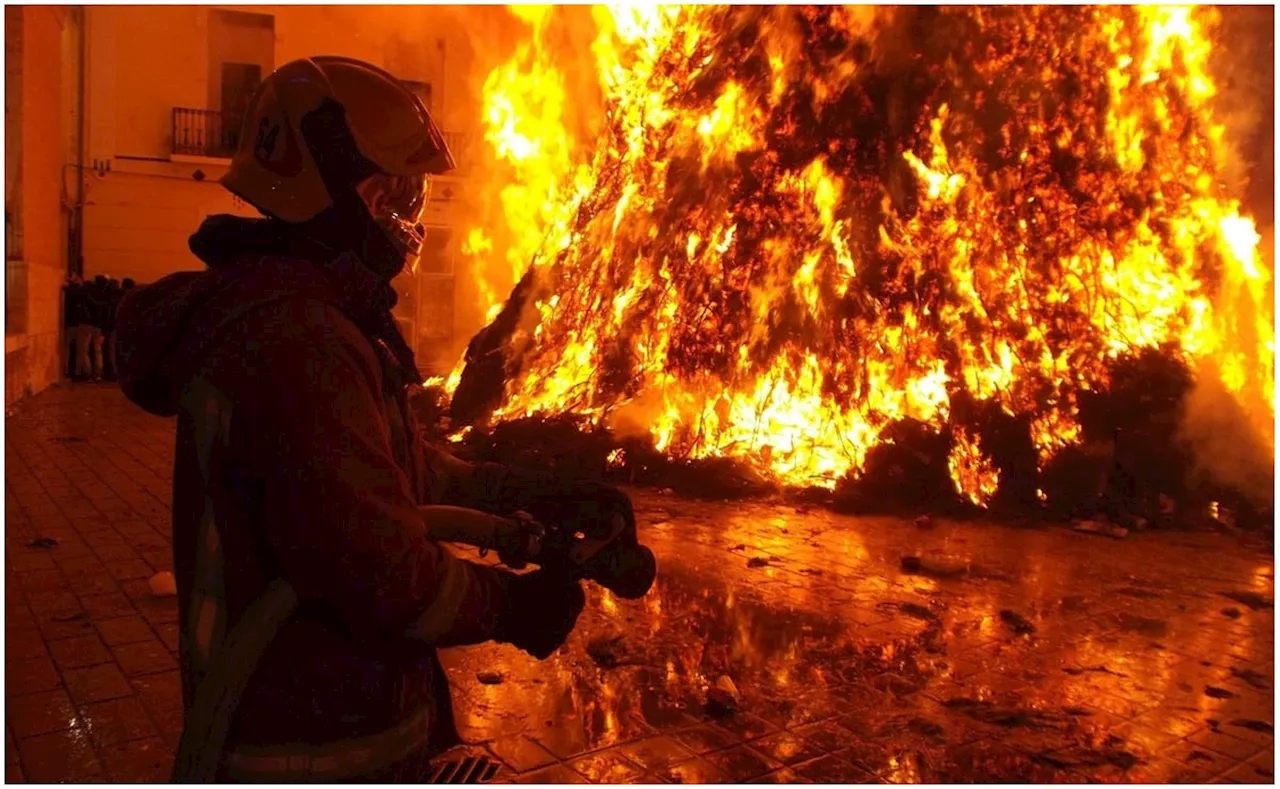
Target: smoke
x=1229, y=447
x=1244, y=69
x=1232, y=435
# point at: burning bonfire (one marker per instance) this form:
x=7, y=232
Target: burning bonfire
x=820, y=242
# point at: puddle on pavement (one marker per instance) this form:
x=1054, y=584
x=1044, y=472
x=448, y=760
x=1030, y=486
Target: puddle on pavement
x=909, y=678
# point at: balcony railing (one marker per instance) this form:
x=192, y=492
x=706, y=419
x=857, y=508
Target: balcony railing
x=203, y=133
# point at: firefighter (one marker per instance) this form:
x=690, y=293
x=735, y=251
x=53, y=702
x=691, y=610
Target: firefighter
x=312, y=598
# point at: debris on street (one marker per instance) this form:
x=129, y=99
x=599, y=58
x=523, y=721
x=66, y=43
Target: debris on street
x=913, y=610
x=935, y=567
x=1261, y=727
x=1102, y=528
x=723, y=696
x=1019, y=623
x=163, y=584
x=1078, y=670
x=615, y=651
x=1251, y=678
x=1251, y=600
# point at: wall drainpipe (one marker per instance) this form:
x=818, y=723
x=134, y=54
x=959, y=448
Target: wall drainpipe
x=75, y=265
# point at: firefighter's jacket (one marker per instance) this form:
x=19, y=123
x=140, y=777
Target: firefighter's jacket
x=298, y=464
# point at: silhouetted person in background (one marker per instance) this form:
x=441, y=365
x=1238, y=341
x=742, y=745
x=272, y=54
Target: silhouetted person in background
x=112, y=294
x=99, y=307
x=71, y=306
x=83, y=337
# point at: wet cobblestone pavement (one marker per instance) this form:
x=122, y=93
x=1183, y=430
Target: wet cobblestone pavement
x=1003, y=654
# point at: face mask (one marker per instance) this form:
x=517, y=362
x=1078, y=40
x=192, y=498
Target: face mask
x=396, y=203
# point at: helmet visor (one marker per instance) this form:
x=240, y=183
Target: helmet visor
x=396, y=203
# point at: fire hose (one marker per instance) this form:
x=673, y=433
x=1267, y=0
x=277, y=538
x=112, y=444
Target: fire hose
x=606, y=552
x=208, y=722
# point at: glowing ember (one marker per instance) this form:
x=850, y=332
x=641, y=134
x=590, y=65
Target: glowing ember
x=797, y=226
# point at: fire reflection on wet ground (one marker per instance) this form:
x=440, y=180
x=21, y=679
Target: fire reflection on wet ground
x=1019, y=655
x=1002, y=654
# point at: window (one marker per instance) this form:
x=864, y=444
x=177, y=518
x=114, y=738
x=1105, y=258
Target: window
x=239, y=82
x=241, y=54
x=437, y=251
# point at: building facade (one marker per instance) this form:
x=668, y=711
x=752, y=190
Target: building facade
x=114, y=152
x=41, y=121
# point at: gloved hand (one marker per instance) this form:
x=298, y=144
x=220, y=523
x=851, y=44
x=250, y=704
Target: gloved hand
x=519, y=540
x=539, y=612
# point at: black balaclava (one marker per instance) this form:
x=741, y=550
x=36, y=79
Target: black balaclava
x=367, y=258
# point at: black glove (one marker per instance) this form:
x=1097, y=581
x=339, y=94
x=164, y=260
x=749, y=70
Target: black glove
x=539, y=612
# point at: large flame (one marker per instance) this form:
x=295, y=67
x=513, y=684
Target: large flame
x=790, y=230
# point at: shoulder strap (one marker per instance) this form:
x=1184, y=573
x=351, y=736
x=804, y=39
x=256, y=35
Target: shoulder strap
x=223, y=665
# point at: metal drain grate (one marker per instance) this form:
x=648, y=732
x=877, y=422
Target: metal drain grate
x=471, y=770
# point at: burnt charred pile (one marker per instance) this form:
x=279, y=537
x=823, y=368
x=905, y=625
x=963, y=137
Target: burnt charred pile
x=1132, y=465
x=578, y=450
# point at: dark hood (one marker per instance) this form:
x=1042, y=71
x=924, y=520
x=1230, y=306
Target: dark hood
x=221, y=240
x=165, y=331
